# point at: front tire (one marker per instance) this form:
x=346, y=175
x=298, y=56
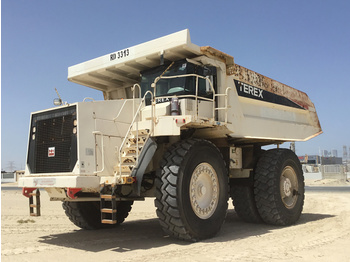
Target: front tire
x=279, y=187
x=192, y=190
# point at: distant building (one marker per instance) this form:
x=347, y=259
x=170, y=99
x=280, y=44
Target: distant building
x=311, y=160
x=331, y=161
x=334, y=153
x=8, y=177
x=317, y=160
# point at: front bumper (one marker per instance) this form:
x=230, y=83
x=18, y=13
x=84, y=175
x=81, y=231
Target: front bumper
x=86, y=183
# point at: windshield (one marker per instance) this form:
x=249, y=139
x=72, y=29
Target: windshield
x=174, y=86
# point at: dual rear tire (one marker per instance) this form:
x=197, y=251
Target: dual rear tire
x=276, y=196
x=279, y=187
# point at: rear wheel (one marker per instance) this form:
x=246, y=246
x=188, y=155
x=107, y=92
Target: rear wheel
x=192, y=190
x=279, y=187
x=87, y=215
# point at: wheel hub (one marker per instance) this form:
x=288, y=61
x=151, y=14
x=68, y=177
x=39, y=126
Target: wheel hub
x=289, y=187
x=204, y=190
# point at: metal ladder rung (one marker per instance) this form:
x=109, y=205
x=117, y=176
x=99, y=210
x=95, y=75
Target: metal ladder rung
x=108, y=221
x=108, y=196
x=108, y=210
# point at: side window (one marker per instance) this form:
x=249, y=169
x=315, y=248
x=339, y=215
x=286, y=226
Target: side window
x=204, y=87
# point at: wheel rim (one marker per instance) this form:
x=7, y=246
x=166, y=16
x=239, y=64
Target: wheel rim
x=289, y=187
x=204, y=190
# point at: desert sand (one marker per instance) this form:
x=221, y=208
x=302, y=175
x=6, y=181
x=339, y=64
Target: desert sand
x=321, y=234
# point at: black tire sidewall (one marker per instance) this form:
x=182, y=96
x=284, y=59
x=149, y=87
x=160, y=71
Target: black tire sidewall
x=202, y=152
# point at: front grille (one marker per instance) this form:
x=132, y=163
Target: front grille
x=53, y=141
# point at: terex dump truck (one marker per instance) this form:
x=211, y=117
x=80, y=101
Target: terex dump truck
x=181, y=123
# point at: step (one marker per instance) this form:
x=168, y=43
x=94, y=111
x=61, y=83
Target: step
x=140, y=140
x=109, y=221
x=108, y=196
x=131, y=149
x=140, y=132
x=129, y=159
x=108, y=210
x=124, y=174
x=144, y=137
x=126, y=168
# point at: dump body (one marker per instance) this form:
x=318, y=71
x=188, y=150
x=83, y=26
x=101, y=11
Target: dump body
x=257, y=107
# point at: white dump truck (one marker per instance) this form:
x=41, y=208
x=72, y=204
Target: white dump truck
x=180, y=123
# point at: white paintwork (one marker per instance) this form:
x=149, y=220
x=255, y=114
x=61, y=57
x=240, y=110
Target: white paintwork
x=87, y=183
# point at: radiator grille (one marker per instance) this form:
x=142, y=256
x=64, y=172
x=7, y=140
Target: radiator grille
x=53, y=141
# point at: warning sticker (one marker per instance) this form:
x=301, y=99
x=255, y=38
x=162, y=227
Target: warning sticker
x=51, y=152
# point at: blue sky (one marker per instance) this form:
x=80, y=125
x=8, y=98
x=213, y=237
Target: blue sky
x=304, y=44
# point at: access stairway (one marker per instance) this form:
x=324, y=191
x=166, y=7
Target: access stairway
x=128, y=161
x=131, y=151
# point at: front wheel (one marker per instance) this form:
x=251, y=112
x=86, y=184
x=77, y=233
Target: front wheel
x=192, y=190
x=279, y=187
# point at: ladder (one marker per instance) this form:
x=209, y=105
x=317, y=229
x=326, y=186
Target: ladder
x=28, y=192
x=108, y=209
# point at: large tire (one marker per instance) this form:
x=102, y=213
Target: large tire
x=87, y=215
x=244, y=203
x=192, y=190
x=279, y=187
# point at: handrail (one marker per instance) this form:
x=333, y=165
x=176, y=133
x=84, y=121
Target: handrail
x=226, y=102
x=154, y=85
x=133, y=96
x=121, y=109
x=129, y=130
x=153, y=108
x=90, y=98
x=133, y=101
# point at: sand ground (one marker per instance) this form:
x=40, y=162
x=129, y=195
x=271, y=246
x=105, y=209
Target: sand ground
x=321, y=234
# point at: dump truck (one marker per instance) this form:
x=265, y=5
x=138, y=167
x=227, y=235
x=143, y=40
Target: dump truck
x=180, y=123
